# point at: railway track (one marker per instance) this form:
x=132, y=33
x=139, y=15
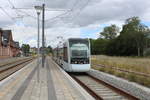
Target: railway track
x=9, y=68
x=11, y=61
x=101, y=90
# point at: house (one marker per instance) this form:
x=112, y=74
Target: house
x=8, y=47
x=16, y=48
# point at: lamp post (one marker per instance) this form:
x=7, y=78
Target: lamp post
x=38, y=10
x=43, y=35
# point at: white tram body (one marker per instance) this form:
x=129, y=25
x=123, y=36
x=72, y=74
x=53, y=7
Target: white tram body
x=73, y=55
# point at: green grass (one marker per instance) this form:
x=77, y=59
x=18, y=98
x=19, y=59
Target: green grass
x=127, y=63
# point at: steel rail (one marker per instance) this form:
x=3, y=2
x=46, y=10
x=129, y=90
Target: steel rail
x=11, y=62
x=12, y=68
x=90, y=91
x=118, y=90
x=111, y=87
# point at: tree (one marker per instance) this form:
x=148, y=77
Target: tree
x=98, y=46
x=135, y=34
x=49, y=49
x=25, y=49
x=133, y=40
x=110, y=32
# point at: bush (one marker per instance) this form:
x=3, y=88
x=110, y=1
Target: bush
x=147, y=52
x=120, y=74
x=131, y=77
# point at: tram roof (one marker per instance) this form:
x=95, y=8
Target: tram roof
x=70, y=39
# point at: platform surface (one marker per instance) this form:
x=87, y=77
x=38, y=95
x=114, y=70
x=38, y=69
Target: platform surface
x=41, y=83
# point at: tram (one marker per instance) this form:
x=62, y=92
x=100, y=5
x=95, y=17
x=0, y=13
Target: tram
x=73, y=55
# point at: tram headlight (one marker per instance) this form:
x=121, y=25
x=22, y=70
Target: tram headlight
x=73, y=62
x=79, y=61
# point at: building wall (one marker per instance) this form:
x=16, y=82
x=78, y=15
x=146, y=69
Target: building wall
x=1, y=49
x=0, y=39
x=15, y=51
x=5, y=51
x=8, y=51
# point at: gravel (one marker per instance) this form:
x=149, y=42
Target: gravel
x=141, y=92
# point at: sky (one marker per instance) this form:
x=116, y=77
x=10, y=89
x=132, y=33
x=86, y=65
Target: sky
x=68, y=18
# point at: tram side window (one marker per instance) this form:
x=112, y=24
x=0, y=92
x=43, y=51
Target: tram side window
x=65, y=56
x=61, y=53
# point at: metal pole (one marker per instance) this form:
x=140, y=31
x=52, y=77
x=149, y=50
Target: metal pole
x=38, y=34
x=43, y=18
x=38, y=41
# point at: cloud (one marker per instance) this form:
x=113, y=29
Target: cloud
x=86, y=18
x=28, y=34
x=23, y=34
x=32, y=42
x=106, y=10
x=52, y=34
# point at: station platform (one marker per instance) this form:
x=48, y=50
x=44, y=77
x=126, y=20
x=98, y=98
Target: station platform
x=42, y=83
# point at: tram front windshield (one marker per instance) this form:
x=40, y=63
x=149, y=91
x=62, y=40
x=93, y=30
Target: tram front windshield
x=79, y=49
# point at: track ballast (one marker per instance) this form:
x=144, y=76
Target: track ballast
x=101, y=90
